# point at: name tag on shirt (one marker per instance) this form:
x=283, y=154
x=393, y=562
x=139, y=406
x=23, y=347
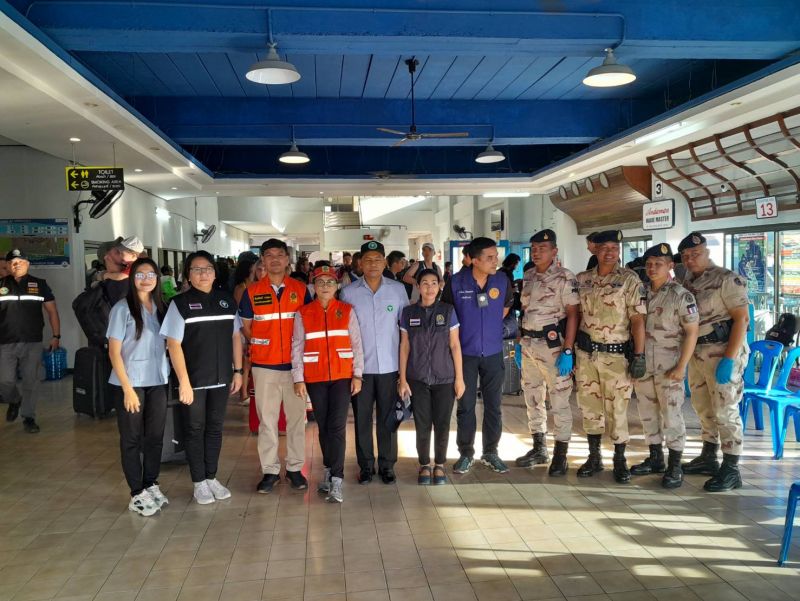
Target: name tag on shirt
x=195, y=306
x=483, y=300
x=259, y=300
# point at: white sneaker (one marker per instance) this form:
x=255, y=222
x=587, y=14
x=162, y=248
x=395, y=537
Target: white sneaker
x=159, y=497
x=219, y=491
x=202, y=493
x=335, y=493
x=143, y=504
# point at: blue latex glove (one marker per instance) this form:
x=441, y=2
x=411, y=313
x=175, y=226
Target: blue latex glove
x=724, y=370
x=564, y=364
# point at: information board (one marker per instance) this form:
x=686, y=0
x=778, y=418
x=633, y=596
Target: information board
x=45, y=241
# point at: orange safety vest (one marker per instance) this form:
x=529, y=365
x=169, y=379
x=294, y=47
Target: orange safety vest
x=273, y=320
x=327, y=354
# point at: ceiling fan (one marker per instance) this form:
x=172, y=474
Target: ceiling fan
x=412, y=134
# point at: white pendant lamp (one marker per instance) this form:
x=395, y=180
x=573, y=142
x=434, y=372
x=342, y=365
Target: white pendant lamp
x=490, y=155
x=272, y=70
x=293, y=156
x=610, y=74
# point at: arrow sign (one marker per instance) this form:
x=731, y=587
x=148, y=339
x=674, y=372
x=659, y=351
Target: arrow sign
x=101, y=179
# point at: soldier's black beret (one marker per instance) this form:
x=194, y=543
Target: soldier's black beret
x=590, y=237
x=607, y=236
x=659, y=250
x=690, y=241
x=543, y=236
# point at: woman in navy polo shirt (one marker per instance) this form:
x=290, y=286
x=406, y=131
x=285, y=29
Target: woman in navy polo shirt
x=430, y=372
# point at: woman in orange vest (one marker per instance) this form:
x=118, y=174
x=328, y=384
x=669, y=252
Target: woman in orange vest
x=327, y=365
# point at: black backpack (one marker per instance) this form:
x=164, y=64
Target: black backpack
x=92, y=308
x=785, y=331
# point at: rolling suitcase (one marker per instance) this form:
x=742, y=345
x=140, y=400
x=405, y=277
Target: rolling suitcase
x=91, y=392
x=512, y=377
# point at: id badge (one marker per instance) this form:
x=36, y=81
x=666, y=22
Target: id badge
x=483, y=300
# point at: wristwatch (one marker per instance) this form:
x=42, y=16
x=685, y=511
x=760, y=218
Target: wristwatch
x=567, y=351
x=239, y=371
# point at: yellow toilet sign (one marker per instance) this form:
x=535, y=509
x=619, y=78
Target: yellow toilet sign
x=90, y=179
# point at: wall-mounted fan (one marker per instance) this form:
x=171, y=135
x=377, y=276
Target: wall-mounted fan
x=462, y=232
x=205, y=234
x=412, y=134
x=101, y=203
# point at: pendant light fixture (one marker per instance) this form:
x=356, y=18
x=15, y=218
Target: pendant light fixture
x=272, y=70
x=293, y=156
x=610, y=74
x=490, y=155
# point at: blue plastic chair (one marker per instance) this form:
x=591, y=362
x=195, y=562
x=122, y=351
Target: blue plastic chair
x=778, y=399
x=791, y=507
x=769, y=351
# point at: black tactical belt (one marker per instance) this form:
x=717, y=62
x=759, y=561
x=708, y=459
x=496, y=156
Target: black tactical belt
x=586, y=344
x=532, y=333
x=711, y=338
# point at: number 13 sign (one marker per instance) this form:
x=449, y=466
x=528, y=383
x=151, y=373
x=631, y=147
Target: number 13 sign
x=766, y=208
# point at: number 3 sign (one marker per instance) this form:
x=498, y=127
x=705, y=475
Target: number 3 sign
x=766, y=208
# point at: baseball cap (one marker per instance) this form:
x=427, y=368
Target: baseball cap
x=131, y=244
x=372, y=246
x=324, y=270
x=430, y=246
x=16, y=254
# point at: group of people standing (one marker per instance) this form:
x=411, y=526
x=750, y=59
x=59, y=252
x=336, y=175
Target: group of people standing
x=637, y=337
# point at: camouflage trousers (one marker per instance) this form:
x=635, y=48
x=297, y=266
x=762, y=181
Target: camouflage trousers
x=540, y=378
x=660, y=401
x=717, y=405
x=604, y=390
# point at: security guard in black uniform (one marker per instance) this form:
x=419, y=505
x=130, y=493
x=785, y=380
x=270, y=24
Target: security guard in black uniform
x=22, y=298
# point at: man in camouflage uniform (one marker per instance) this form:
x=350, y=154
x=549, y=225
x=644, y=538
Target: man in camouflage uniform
x=670, y=334
x=612, y=312
x=549, y=322
x=717, y=365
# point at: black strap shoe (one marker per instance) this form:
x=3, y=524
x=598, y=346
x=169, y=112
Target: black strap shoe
x=594, y=463
x=387, y=476
x=706, y=463
x=559, y=465
x=728, y=476
x=267, y=483
x=30, y=425
x=12, y=412
x=621, y=472
x=654, y=464
x=673, y=476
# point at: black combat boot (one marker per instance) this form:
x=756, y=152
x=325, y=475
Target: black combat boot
x=673, y=477
x=537, y=455
x=728, y=476
x=653, y=464
x=559, y=465
x=594, y=463
x=621, y=472
x=706, y=463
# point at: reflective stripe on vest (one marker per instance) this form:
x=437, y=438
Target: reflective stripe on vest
x=209, y=318
x=261, y=341
x=23, y=297
x=274, y=316
x=331, y=334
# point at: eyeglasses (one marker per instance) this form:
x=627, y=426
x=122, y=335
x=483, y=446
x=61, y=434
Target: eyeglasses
x=150, y=275
x=201, y=270
x=325, y=283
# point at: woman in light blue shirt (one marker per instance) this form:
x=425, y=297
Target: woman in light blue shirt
x=138, y=356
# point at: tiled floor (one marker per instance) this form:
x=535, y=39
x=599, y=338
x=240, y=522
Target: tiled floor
x=66, y=533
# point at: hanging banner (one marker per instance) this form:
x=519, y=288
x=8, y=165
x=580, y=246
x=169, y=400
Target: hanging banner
x=658, y=215
x=45, y=241
x=751, y=250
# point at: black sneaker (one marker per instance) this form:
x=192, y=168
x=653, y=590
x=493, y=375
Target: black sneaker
x=30, y=425
x=297, y=480
x=267, y=482
x=13, y=412
x=365, y=476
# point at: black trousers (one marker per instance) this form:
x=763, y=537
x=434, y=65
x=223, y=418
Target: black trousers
x=141, y=436
x=331, y=402
x=491, y=371
x=433, y=407
x=377, y=390
x=204, y=419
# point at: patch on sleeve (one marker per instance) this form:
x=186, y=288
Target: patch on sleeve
x=691, y=309
x=739, y=281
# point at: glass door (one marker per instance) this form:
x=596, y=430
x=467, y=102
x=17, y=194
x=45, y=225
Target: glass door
x=753, y=258
x=789, y=273
x=633, y=248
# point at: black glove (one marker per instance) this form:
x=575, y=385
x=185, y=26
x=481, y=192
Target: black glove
x=637, y=366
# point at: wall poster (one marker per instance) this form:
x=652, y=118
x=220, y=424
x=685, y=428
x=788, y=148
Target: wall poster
x=45, y=241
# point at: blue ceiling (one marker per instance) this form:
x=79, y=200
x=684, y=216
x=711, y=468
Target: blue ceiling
x=513, y=73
